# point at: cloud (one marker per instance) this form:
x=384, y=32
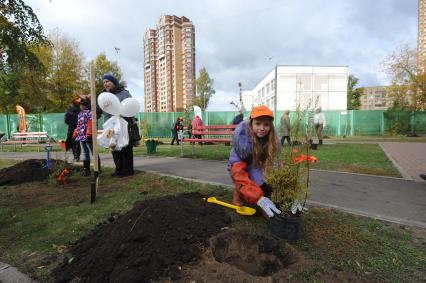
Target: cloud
x=234, y=39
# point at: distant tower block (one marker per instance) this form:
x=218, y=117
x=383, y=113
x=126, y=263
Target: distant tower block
x=421, y=36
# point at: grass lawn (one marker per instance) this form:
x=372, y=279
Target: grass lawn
x=7, y=162
x=39, y=220
x=398, y=138
x=355, y=158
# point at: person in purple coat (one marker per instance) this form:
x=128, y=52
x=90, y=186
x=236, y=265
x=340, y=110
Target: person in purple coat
x=254, y=146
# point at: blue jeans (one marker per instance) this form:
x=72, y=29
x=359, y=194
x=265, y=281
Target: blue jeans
x=87, y=147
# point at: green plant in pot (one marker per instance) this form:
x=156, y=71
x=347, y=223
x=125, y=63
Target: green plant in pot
x=289, y=178
x=151, y=145
x=290, y=186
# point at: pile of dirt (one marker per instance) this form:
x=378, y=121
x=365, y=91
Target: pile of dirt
x=155, y=239
x=26, y=171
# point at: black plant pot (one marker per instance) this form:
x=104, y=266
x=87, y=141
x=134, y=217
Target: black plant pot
x=286, y=227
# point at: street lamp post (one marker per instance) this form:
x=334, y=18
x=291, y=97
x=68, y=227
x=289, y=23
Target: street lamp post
x=242, y=108
x=276, y=93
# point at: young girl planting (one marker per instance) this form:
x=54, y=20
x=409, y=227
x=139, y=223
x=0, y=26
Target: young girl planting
x=253, y=148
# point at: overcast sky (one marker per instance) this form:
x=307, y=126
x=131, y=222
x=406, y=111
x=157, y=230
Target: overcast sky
x=236, y=38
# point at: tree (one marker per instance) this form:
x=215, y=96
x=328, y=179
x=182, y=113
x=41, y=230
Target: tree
x=20, y=30
x=205, y=89
x=52, y=90
x=354, y=94
x=408, y=82
x=64, y=70
x=102, y=66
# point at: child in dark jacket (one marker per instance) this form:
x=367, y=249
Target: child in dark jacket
x=177, y=127
x=71, y=119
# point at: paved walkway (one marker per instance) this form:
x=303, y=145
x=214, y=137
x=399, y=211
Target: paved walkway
x=409, y=158
x=9, y=274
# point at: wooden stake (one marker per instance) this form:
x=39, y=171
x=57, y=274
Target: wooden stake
x=94, y=184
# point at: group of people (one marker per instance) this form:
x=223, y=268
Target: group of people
x=194, y=129
x=285, y=126
x=255, y=143
x=78, y=117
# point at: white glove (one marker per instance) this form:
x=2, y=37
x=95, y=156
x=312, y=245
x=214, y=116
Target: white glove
x=268, y=206
x=296, y=207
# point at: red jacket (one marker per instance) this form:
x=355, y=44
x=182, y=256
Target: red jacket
x=196, y=124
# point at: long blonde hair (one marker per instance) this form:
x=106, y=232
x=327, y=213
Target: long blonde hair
x=261, y=157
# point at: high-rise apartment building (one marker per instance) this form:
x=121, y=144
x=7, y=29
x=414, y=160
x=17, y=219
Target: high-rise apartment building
x=376, y=98
x=421, y=36
x=169, y=65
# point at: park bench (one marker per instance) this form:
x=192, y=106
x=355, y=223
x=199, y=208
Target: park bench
x=211, y=134
x=27, y=138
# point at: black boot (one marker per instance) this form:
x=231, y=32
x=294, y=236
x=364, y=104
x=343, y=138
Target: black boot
x=320, y=142
x=86, y=168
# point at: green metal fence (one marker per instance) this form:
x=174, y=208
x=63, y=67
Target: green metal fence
x=339, y=123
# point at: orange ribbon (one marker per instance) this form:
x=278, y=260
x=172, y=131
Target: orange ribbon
x=310, y=158
x=63, y=175
x=62, y=144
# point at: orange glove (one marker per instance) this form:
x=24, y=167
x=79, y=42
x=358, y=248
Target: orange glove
x=89, y=128
x=246, y=187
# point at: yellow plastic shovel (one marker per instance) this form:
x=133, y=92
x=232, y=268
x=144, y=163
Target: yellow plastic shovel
x=243, y=210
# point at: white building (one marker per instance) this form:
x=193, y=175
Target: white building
x=247, y=97
x=312, y=86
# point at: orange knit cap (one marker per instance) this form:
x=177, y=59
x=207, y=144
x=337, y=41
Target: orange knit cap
x=261, y=111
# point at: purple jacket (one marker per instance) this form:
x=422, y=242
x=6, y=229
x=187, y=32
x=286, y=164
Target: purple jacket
x=242, y=151
x=83, y=117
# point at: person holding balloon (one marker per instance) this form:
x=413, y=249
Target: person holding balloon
x=123, y=158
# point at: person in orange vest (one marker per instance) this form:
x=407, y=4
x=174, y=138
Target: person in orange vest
x=22, y=123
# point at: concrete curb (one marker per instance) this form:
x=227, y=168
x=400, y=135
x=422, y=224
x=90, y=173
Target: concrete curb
x=370, y=215
x=358, y=174
x=190, y=179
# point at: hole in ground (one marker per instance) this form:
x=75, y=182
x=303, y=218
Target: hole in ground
x=254, y=254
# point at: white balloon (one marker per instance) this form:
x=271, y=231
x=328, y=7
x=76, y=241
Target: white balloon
x=109, y=103
x=129, y=107
x=198, y=112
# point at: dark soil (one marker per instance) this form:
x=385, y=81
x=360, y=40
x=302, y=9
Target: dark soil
x=27, y=171
x=253, y=254
x=155, y=239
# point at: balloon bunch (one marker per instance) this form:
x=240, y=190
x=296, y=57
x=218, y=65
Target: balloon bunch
x=110, y=104
x=115, y=134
